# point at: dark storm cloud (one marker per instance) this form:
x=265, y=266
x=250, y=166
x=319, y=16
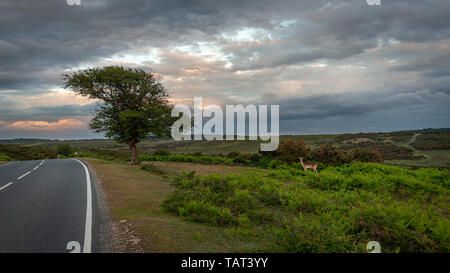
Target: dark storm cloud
x=41, y=39
x=49, y=36
x=357, y=104
x=436, y=66
x=45, y=113
x=349, y=28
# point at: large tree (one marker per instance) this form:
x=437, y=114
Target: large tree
x=133, y=103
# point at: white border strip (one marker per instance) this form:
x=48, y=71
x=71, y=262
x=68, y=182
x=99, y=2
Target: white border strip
x=22, y=176
x=4, y=187
x=88, y=226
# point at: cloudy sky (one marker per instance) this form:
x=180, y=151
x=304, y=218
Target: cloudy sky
x=332, y=66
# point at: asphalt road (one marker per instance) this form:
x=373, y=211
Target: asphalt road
x=48, y=206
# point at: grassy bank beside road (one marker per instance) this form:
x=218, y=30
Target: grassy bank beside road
x=222, y=208
x=136, y=196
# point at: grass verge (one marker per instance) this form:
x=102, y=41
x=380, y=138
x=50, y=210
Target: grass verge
x=136, y=196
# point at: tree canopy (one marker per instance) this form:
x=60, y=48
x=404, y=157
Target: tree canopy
x=133, y=103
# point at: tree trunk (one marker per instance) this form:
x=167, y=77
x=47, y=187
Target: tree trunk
x=134, y=154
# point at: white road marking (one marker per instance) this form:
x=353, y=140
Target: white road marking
x=88, y=226
x=22, y=176
x=4, y=164
x=6, y=186
x=35, y=168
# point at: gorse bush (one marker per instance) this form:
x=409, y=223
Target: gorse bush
x=339, y=210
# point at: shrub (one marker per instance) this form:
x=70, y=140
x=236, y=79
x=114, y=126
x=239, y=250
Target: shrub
x=331, y=155
x=241, y=201
x=360, y=155
x=267, y=154
x=375, y=156
x=240, y=159
x=314, y=235
x=203, y=212
x=152, y=168
x=64, y=149
x=290, y=150
x=255, y=158
x=4, y=157
x=161, y=152
x=17, y=152
x=104, y=154
x=363, y=155
x=233, y=154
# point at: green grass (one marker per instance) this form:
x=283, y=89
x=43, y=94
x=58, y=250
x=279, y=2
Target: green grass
x=340, y=209
x=4, y=157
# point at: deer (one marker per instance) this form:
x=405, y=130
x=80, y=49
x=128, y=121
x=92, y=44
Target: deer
x=307, y=165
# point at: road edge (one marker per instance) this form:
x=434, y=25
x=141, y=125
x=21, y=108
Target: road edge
x=104, y=227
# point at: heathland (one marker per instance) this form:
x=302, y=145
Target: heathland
x=225, y=196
